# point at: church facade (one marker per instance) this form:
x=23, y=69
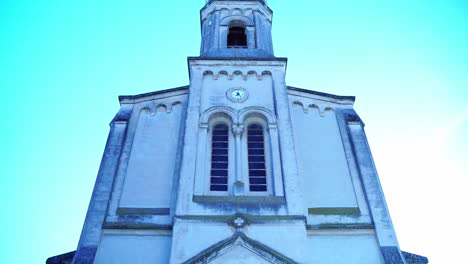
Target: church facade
x=237, y=167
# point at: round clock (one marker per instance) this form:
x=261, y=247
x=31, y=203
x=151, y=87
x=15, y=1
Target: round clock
x=237, y=94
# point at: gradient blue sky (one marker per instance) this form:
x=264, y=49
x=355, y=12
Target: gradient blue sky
x=63, y=64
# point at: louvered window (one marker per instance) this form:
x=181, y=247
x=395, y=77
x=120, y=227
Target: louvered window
x=219, y=158
x=256, y=158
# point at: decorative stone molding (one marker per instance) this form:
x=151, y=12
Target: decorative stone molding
x=237, y=11
x=254, y=110
x=237, y=129
x=237, y=73
x=351, y=117
x=392, y=255
x=239, y=239
x=414, y=259
x=236, y=16
x=238, y=117
x=238, y=221
x=123, y=115
x=321, y=109
x=154, y=107
x=217, y=110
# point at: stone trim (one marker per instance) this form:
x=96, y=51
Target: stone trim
x=61, y=259
x=251, y=219
x=271, y=200
x=239, y=239
x=341, y=227
x=123, y=115
x=135, y=226
x=332, y=96
x=134, y=98
x=151, y=211
x=84, y=255
x=95, y=216
x=334, y=211
x=242, y=74
x=269, y=59
x=392, y=255
x=414, y=259
x=386, y=235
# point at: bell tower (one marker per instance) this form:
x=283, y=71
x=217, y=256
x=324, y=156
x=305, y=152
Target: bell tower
x=236, y=29
x=238, y=161
x=237, y=83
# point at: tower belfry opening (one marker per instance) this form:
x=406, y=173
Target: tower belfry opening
x=237, y=37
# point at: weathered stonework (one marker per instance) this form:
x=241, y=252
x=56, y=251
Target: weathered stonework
x=414, y=259
x=298, y=182
x=61, y=259
x=239, y=240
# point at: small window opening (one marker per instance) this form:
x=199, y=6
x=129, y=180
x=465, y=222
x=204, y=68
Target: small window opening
x=256, y=157
x=237, y=38
x=219, y=158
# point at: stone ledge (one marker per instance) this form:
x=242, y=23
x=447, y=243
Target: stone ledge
x=144, y=211
x=136, y=226
x=269, y=200
x=251, y=219
x=334, y=211
x=414, y=259
x=341, y=227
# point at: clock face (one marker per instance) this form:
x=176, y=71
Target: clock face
x=238, y=94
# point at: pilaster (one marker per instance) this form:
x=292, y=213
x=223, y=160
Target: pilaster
x=374, y=193
x=92, y=228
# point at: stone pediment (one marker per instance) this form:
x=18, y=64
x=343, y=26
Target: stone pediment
x=239, y=249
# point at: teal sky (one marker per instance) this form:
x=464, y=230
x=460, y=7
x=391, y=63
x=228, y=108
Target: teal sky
x=63, y=64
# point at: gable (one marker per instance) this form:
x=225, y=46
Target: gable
x=239, y=249
x=239, y=255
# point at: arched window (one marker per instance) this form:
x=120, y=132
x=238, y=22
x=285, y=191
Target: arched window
x=237, y=37
x=219, y=158
x=256, y=158
x=238, y=156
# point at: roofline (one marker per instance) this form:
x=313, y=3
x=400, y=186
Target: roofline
x=138, y=96
x=334, y=96
x=263, y=2
x=185, y=87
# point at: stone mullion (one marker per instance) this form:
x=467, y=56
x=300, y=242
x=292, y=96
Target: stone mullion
x=239, y=185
